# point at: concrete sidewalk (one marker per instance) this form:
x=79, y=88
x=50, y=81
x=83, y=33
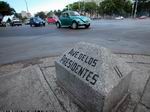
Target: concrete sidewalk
x=31, y=85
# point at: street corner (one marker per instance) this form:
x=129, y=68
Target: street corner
x=25, y=90
x=33, y=87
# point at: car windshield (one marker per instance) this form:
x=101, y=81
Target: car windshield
x=74, y=14
x=37, y=19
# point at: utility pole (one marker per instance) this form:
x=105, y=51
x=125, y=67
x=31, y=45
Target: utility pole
x=84, y=6
x=68, y=6
x=79, y=5
x=26, y=6
x=135, y=10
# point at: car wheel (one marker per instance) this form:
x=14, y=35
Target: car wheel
x=58, y=25
x=74, y=25
x=87, y=26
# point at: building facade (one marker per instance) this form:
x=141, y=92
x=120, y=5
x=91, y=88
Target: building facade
x=25, y=14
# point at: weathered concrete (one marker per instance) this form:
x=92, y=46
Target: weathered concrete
x=10, y=68
x=146, y=95
x=26, y=90
x=62, y=96
x=47, y=62
x=142, y=108
x=139, y=81
x=97, y=78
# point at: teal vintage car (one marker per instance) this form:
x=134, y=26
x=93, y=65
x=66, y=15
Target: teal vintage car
x=72, y=19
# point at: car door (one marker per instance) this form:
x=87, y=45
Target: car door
x=68, y=20
x=65, y=19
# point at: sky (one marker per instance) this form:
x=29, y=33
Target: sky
x=38, y=5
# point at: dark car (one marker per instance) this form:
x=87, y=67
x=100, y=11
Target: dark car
x=37, y=21
x=73, y=19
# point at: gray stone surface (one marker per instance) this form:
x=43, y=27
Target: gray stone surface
x=5, y=69
x=97, y=78
x=142, y=108
x=139, y=78
x=60, y=99
x=47, y=62
x=26, y=90
x=61, y=95
x=146, y=95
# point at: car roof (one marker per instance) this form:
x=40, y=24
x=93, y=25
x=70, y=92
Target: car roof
x=69, y=11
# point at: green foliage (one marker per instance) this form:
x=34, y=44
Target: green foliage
x=90, y=7
x=75, y=6
x=57, y=13
x=78, y=6
x=143, y=7
x=50, y=14
x=117, y=7
x=5, y=9
x=53, y=13
x=106, y=7
x=41, y=15
x=18, y=15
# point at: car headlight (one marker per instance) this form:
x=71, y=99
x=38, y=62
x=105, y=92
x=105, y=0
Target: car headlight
x=79, y=21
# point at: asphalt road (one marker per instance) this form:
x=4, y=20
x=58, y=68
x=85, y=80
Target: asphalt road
x=121, y=36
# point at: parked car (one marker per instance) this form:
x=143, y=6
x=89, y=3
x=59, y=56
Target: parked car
x=6, y=21
x=37, y=21
x=143, y=17
x=72, y=19
x=27, y=22
x=52, y=19
x=16, y=22
x=119, y=18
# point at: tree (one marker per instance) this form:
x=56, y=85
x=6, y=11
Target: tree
x=115, y=7
x=82, y=7
x=18, y=15
x=90, y=7
x=57, y=13
x=50, y=14
x=41, y=15
x=5, y=9
x=107, y=7
x=143, y=7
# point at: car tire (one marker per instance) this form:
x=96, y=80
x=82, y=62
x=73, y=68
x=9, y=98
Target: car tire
x=58, y=25
x=87, y=26
x=74, y=25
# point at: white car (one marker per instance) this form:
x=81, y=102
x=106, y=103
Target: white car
x=16, y=22
x=119, y=18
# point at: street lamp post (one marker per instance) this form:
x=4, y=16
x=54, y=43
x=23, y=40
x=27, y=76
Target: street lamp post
x=27, y=6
